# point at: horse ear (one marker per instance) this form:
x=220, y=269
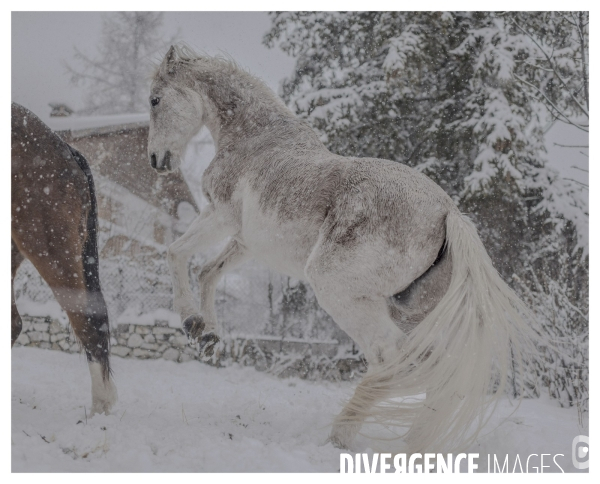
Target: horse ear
x=168, y=64
x=170, y=57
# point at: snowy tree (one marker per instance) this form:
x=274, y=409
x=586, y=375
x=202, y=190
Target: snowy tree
x=116, y=79
x=557, y=66
x=463, y=98
x=440, y=92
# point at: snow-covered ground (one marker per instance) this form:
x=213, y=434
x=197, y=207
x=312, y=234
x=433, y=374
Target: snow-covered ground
x=191, y=417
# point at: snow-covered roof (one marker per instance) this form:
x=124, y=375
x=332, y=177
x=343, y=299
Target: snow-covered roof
x=77, y=123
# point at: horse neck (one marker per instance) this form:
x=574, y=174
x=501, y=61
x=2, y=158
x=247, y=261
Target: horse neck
x=212, y=121
x=239, y=115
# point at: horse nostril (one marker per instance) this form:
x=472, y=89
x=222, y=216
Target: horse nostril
x=167, y=160
x=153, y=160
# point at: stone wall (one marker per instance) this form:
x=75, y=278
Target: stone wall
x=310, y=360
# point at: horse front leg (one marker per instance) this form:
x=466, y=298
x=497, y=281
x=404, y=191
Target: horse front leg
x=205, y=327
x=206, y=230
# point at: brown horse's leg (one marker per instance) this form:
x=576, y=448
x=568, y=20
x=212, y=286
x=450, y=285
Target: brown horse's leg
x=16, y=325
x=63, y=270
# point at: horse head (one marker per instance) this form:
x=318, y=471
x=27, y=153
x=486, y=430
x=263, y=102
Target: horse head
x=176, y=113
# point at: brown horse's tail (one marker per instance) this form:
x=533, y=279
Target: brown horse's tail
x=96, y=310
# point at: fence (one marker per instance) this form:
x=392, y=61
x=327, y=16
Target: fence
x=289, y=333
x=136, y=283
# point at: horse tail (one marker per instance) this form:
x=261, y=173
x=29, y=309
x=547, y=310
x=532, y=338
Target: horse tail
x=96, y=311
x=460, y=355
x=90, y=248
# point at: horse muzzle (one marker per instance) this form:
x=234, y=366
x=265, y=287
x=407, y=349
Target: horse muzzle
x=163, y=165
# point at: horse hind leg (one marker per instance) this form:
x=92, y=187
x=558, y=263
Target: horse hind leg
x=16, y=322
x=104, y=391
x=366, y=320
x=84, y=304
x=89, y=319
x=97, y=349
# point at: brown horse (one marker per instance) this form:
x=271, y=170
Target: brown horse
x=54, y=225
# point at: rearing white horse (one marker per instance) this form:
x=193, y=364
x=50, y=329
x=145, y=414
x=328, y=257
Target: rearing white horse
x=386, y=251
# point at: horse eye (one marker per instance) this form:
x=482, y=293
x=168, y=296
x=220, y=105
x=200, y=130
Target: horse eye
x=154, y=101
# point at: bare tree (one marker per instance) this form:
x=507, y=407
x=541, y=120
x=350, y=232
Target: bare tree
x=116, y=77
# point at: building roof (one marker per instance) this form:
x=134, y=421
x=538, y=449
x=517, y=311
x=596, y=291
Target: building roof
x=79, y=123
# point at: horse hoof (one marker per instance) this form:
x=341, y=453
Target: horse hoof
x=193, y=326
x=342, y=435
x=337, y=443
x=207, y=344
x=104, y=406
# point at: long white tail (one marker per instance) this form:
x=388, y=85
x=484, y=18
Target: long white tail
x=459, y=355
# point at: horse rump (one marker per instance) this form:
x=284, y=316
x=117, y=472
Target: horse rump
x=459, y=356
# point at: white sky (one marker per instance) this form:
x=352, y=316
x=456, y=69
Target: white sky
x=42, y=41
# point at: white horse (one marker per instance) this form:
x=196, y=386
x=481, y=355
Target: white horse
x=386, y=251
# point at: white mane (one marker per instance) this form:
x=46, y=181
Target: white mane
x=250, y=87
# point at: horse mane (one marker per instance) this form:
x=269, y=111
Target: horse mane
x=224, y=67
